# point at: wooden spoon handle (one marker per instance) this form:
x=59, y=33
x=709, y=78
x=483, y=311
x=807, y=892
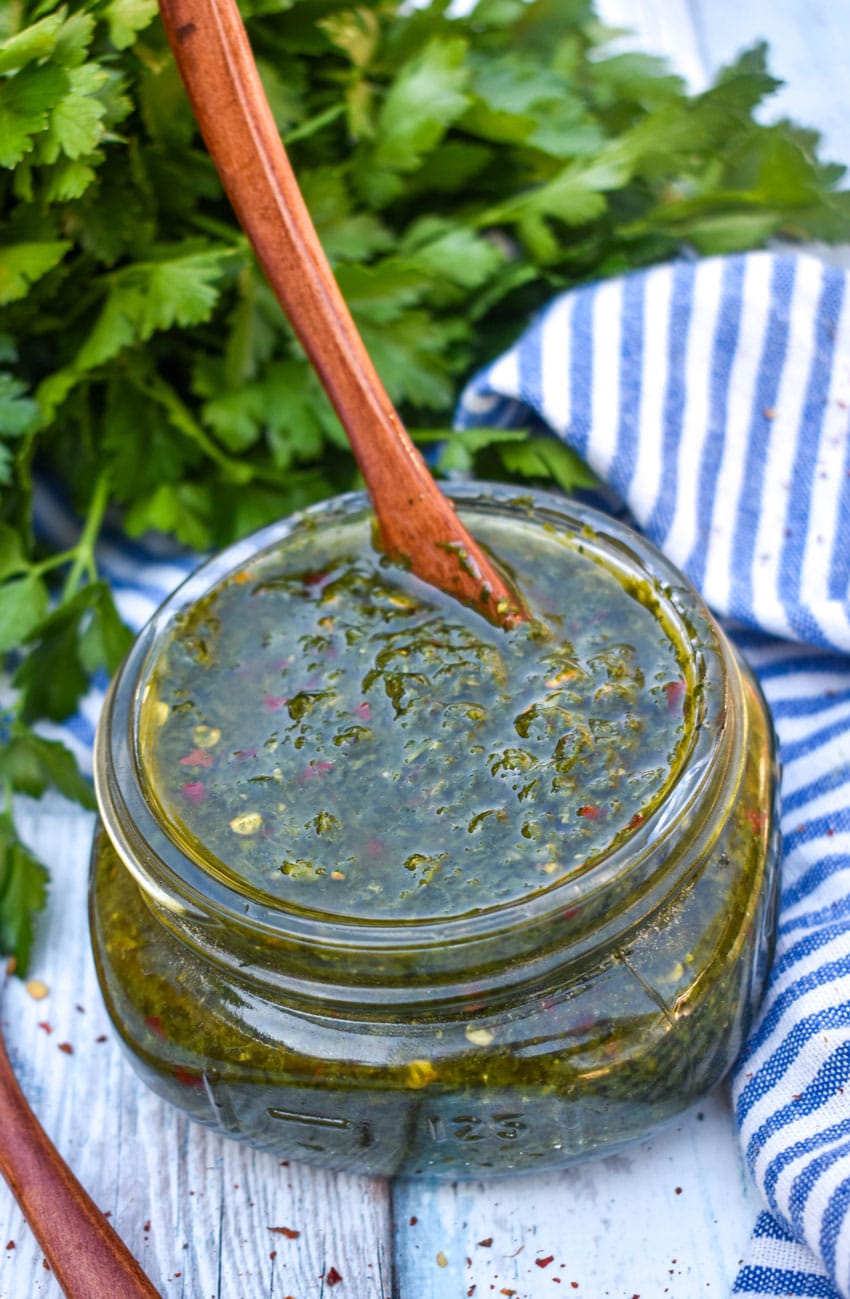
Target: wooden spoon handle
x=417, y=521
x=86, y=1255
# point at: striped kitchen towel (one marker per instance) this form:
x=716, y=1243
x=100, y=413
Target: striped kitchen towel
x=713, y=397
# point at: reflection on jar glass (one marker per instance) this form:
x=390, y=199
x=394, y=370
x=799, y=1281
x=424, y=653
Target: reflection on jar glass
x=383, y=887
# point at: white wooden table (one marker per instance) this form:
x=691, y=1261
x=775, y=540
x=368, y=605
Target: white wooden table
x=671, y=1217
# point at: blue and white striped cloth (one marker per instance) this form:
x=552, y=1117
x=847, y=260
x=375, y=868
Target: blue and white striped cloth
x=713, y=397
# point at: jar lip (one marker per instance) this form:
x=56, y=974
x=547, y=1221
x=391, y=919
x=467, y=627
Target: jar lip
x=182, y=882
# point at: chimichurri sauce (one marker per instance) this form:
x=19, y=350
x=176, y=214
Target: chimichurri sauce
x=335, y=735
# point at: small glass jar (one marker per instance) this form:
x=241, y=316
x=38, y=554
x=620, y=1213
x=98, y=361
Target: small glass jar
x=514, y=1032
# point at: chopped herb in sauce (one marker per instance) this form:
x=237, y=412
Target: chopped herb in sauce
x=345, y=739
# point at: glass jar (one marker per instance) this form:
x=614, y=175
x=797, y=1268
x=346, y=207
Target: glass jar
x=533, y=1014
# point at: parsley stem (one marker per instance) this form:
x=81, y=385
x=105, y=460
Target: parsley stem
x=84, y=562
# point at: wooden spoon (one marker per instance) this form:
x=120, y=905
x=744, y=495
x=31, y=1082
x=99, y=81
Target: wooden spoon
x=417, y=522
x=87, y=1257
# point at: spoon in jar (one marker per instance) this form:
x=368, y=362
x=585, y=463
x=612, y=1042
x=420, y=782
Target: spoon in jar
x=417, y=523
x=86, y=1255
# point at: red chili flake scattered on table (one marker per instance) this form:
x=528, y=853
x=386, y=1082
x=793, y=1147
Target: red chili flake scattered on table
x=146, y=1228
x=48, y=1028
x=194, y=791
x=470, y=1292
x=46, y=1265
x=273, y=1254
x=198, y=758
x=574, y=1285
x=413, y=1221
x=591, y=811
x=66, y=1047
x=506, y=1290
x=332, y=1276
x=544, y=1262
x=678, y=1190
x=289, y=1232
x=486, y=1242
x=10, y=1244
x=101, y=1037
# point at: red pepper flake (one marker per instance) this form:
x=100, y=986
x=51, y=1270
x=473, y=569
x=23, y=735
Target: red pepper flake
x=678, y=1190
x=332, y=1276
x=470, y=1292
x=413, y=1221
x=364, y=711
x=198, y=758
x=675, y=692
x=316, y=578
x=313, y=770
x=46, y=1265
x=66, y=1047
x=574, y=1285
x=486, y=1242
x=10, y=1244
x=507, y=1291
x=186, y=1078
x=154, y=1023
x=289, y=1232
x=757, y=817
x=194, y=791
x=544, y=1262
x=274, y=703
x=101, y=1037
x=591, y=811
x=48, y=1028
x=637, y=819
x=273, y=1254
x=146, y=1228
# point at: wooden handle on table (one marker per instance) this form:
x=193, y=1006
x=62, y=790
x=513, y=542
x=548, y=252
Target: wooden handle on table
x=88, y=1258
x=417, y=521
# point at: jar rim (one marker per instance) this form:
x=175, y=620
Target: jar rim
x=180, y=882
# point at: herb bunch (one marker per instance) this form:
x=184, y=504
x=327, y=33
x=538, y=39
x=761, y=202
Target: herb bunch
x=460, y=170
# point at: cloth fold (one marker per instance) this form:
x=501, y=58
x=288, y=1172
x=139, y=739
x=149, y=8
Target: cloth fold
x=714, y=398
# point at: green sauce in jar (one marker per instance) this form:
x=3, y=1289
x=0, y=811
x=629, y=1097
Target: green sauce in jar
x=341, y=737
x=386, y=888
